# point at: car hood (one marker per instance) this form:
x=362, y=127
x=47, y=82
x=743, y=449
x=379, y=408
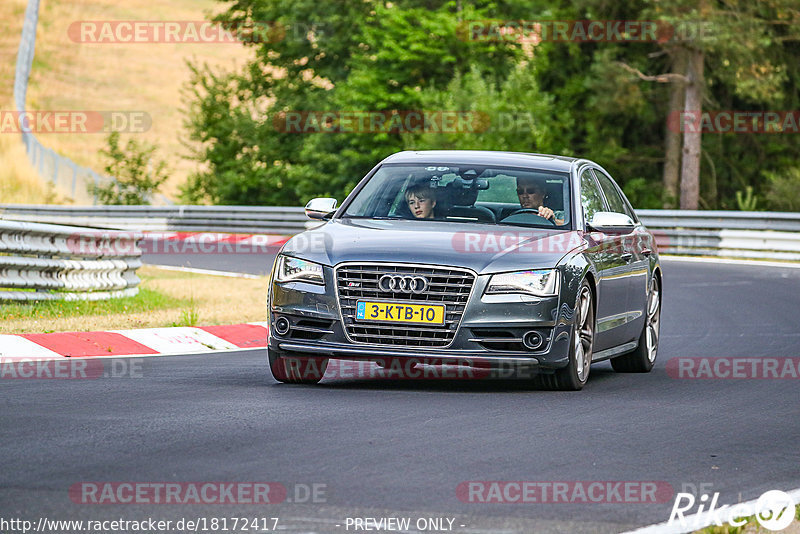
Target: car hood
x=480, y=247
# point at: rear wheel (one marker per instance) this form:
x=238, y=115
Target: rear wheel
x=642, y=359
x=294, y=370
x=574, y=376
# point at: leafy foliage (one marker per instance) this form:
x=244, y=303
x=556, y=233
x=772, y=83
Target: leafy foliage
x=137, y=174
x=746, y=200
x=782, y=189
x=572, y=98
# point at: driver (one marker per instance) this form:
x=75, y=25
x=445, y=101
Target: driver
x=531, y=196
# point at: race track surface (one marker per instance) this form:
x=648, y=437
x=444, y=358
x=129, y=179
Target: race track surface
x=401, y=448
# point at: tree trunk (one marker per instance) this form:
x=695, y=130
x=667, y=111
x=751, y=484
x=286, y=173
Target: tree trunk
x=692, y=135
x=672, y=138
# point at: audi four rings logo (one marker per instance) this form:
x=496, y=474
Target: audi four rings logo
x=403, y=284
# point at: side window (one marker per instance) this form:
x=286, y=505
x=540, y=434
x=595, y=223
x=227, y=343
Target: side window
x=591, y=199
x=615, y=202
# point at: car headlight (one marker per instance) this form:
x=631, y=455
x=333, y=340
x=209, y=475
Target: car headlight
x=289, y=269
x=542, y=283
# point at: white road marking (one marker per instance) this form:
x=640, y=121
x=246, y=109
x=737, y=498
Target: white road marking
x=207, y=271
x=757, y=263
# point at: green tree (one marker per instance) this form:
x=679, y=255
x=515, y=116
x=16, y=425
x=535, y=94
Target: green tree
x=585, y=98
x=136, y=173
x=514, y=115
x=739, y=45
x=782, y=189
x=349, y=56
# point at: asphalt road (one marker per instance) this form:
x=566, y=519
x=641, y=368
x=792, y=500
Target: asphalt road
x=256, y=263
x=380, y=448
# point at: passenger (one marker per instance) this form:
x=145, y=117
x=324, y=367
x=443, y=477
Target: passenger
x=531, y=196
x=421, y=201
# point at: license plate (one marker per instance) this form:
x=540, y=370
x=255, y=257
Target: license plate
x=392, y=312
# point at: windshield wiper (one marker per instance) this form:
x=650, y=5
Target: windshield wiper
x=533, y=225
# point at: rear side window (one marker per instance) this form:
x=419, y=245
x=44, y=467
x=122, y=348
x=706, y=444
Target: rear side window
x=615, y=201
x=591, y=198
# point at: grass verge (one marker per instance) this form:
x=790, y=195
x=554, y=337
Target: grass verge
x=166, y=298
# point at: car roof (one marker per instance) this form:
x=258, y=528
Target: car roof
x=484, y=157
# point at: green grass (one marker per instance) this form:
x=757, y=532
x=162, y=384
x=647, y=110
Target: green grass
x=166, y=298
x=189, y=317
x=146, y=300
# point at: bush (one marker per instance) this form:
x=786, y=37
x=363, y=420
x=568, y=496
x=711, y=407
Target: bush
x=643, y=195
x=137, y=174
x=781, y=191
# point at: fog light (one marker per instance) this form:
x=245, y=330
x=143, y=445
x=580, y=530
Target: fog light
x=533, y=340
x=281, y=326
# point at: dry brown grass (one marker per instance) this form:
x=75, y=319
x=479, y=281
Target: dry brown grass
x=19, y=181
x=135, y=77
x=12, y=13
x=212, y=300
x=218, y=299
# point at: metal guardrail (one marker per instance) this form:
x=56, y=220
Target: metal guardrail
x=227, y=219
x=732, y=234
x=739, y=234
x=48, y=262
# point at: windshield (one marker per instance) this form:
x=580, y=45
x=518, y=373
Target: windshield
x=466, y=193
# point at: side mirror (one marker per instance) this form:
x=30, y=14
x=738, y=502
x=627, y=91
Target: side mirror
x=321, y=208
x=609, y=222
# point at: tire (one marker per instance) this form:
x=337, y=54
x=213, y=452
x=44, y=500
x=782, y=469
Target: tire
x=574, y=376
x=291, y=370
x=642, y=359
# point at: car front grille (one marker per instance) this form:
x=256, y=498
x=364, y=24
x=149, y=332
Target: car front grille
x=447, y=286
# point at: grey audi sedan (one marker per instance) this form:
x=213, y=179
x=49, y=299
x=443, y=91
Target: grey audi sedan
x=484, y=260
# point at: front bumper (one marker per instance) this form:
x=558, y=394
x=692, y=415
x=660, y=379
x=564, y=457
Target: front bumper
x=489, y=334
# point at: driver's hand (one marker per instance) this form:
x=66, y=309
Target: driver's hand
x=547, y=213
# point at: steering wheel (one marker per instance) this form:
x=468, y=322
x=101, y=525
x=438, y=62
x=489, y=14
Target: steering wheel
x=530, y=210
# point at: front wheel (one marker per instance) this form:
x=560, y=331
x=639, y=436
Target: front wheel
x=294, y=370
x=642, y=359
x=574, y=376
